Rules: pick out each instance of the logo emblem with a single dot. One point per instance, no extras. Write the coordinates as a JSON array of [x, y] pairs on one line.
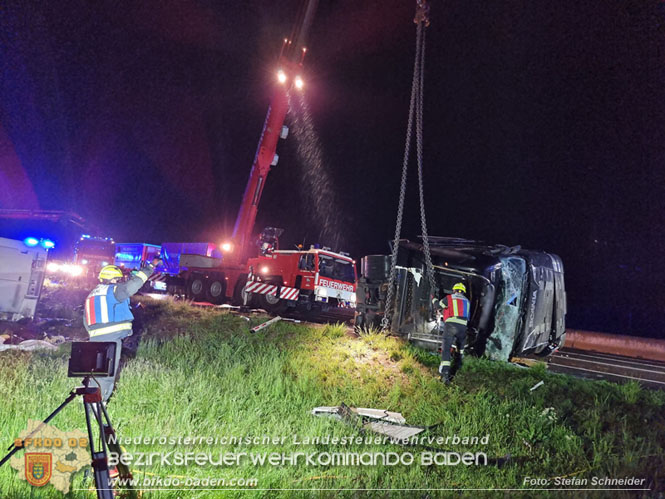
[[37, 468]]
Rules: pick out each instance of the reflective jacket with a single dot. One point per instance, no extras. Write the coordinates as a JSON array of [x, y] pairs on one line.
[[456, 308], [107, 306]]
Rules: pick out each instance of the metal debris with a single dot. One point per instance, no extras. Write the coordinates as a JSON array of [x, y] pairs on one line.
[[381, 414], [537, 385], [381, 421], [265, 324]]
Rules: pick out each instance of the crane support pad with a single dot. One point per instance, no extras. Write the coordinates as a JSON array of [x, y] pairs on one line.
[[263, 288]]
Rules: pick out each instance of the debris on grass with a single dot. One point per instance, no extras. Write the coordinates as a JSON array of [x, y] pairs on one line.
[[537, 385], [381, 421], [28, 345], [266, 324]]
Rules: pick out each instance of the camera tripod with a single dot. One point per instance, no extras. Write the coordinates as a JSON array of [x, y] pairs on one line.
[[94, 409]]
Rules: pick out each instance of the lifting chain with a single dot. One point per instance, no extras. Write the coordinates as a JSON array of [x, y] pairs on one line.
[[415, 108]]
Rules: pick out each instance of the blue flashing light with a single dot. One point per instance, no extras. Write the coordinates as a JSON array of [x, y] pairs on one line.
[[48, 244], [31, 241]]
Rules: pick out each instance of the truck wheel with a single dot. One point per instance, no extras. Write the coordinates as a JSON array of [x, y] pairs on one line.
[[196, 287], [240, 298], [215, 291], [273, 304]]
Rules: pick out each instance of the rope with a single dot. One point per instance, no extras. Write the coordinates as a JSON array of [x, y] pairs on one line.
[[415, 108]]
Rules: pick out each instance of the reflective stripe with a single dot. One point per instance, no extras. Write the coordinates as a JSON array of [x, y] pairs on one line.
[[457, 320], [104, 309], [141, 276], [110, 329], [87, 311], [444, 363], [93, 317]]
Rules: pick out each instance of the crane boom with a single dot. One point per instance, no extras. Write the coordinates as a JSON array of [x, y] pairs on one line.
[[288, 76]]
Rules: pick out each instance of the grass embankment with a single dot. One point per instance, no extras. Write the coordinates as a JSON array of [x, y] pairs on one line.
[[200, 373]]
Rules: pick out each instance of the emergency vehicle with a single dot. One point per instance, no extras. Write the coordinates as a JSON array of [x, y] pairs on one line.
[[251, 269], [134, 255]]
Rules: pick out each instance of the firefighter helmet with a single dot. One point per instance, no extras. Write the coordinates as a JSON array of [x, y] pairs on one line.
[[110, 272], [459, 287]]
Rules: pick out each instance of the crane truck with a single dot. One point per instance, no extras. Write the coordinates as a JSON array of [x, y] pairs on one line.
[[250, 270]]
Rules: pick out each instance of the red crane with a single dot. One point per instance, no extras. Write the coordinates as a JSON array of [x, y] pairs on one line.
[[288, 77], [317, 279]]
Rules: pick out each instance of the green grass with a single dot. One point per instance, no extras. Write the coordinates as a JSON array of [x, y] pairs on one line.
[[201, 373]]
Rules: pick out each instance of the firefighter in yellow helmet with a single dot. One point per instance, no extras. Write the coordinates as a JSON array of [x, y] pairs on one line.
[[107, 315], [455, 309]]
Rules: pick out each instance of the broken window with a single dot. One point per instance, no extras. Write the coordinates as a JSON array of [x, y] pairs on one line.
[[507, 308]]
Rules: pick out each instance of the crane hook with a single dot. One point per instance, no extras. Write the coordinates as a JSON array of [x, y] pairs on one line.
[[422, 13]]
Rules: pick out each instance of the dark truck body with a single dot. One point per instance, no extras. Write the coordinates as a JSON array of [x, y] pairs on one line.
[[518, 299]]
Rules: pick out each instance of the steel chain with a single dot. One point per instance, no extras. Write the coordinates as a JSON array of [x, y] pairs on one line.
[[419, 150], [415, 86]]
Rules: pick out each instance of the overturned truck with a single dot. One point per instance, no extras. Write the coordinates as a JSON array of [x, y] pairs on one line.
[[517, 296]]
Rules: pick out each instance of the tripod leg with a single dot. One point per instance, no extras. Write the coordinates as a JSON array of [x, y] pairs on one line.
[[100, 464], [114, 446], [13, 449]]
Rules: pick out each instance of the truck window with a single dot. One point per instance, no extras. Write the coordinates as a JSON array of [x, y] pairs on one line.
[[306, 262], [334, 268]]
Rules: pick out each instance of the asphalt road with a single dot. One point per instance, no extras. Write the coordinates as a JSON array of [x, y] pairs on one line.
[[609, 367]]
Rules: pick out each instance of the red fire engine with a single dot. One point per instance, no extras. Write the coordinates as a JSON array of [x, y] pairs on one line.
[[261, 273]]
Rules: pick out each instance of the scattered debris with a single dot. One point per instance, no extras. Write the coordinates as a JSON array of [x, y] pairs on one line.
[[390, 424], [525, 362], [28, 345], [537, 385], [382, 414], [56, 340], [265, 324]]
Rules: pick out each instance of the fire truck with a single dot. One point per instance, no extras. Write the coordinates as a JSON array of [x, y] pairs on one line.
[[250, 269], [72, 255]]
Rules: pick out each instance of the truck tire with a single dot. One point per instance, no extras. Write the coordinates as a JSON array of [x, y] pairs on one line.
[[271, 303], [239, 295], [216, 290], [196, 286]]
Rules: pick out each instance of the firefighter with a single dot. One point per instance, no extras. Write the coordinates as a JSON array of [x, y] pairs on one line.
[[107, 316], [453, 327]]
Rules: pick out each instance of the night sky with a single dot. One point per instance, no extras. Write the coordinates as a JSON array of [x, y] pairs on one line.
[[544, 126]]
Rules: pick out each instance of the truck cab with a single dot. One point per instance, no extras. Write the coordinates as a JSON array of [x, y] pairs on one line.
[[92, 253], [315, 280]]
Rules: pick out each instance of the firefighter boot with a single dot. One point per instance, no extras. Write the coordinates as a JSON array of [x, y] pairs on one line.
[[456, 365], [444, 371]]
